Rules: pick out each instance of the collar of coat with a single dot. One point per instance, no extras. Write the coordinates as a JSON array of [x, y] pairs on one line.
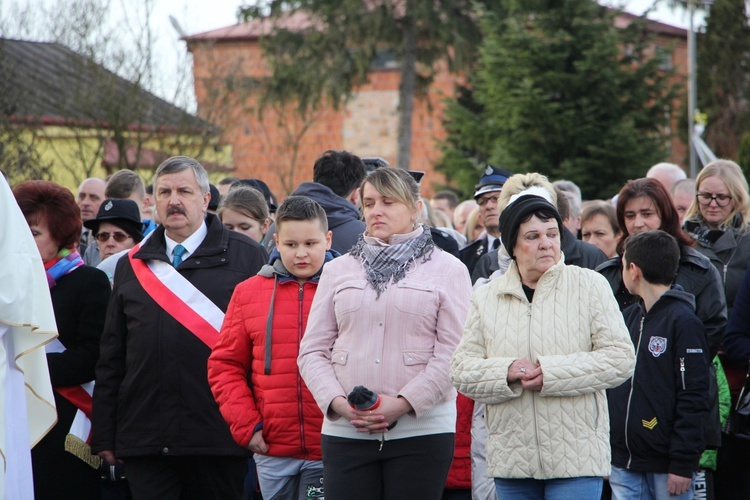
[[510, 282], [215, 243]]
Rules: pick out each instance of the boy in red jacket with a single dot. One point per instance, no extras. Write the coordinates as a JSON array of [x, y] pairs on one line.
[[275, 416]]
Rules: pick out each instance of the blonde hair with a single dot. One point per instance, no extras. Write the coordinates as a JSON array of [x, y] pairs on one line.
[[733, 178], [521, 182], [393, 183], [471, 222]]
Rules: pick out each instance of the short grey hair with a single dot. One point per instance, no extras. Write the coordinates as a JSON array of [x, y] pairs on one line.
[[573, 194], [672, 170], [178, 164]]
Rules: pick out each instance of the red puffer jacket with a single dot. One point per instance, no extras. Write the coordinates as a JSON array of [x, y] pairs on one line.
[[459, 475], [277, 399]]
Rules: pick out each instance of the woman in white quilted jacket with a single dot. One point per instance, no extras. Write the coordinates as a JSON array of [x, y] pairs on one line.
[[541, 345]]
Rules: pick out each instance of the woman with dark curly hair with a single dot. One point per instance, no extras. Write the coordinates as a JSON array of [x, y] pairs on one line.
[[79, 298]]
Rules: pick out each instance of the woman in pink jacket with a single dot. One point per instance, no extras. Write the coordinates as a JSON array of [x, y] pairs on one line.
[[387, 316]]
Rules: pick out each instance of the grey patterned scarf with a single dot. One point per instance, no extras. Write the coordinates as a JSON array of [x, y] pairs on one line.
[[384, 265], [706, 237]]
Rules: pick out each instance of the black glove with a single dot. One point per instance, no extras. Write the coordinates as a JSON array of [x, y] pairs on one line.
[[362, 398]]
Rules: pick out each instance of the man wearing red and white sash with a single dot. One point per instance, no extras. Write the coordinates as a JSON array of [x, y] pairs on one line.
[[153, 408]]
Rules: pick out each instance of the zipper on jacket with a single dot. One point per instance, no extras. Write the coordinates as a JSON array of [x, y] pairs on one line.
[[729, 260], [533, 403], [630, 394], [299, 377], [682, 372]]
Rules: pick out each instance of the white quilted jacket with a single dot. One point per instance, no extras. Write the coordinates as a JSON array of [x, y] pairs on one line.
[[576, 333]]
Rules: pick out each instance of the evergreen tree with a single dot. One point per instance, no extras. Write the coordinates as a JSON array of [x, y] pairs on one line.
[[724, 76], [561, 91]]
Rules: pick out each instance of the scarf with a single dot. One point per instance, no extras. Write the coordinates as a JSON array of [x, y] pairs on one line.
[[64, 263], [389, 264], [706, 236]]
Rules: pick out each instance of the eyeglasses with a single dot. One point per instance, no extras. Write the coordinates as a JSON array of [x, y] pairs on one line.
[[482, 201], [721, 200], [118, 236]]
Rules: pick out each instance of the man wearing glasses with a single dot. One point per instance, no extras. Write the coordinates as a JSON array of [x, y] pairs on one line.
[[486, 195]]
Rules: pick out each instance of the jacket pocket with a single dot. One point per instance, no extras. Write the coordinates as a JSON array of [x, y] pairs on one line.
[[416, 298], [412, 358], [348, 297], [339, 357]]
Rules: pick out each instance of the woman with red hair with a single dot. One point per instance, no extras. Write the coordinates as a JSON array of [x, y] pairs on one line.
[[79, 299]]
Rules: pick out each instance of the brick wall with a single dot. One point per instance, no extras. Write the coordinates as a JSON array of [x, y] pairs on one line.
[[368, 126]]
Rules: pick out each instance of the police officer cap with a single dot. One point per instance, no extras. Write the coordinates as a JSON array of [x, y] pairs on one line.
[[492, 179]]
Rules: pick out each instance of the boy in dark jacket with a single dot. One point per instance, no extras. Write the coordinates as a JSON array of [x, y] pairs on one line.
[[275, 416], [657, 418]]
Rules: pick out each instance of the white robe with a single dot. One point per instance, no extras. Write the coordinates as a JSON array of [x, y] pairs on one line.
[[27, 323]]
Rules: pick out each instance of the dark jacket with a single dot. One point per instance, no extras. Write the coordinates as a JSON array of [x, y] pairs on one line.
[[444, 241], [737, 337], [730, 255], [657, 417], [577, 253], [152, 395], [696, 276], [343, 217], [471, 253], [79, 300]]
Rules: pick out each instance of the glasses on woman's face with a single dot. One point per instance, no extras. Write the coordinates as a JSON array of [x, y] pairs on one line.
[[722, 200], [119, 237]]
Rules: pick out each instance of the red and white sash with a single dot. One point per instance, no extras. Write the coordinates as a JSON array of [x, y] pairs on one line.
[[178, 297], [80, 396]]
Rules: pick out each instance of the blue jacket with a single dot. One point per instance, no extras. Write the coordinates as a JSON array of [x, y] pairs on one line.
[[657, 417]]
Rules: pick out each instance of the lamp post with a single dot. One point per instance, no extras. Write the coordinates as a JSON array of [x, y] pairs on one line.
[[692, 89], [692, 82]]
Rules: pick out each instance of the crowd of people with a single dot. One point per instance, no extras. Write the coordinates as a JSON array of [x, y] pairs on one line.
[[357, 340]]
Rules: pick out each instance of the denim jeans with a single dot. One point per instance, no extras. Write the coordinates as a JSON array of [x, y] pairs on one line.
[[574, 488], [634, 485]]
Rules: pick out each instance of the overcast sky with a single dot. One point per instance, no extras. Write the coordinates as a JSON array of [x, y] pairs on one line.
[[197, 16]]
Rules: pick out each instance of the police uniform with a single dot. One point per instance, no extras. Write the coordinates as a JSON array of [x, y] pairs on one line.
[[492, 180]]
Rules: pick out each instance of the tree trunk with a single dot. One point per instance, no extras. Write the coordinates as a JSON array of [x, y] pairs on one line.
[[406, 92]]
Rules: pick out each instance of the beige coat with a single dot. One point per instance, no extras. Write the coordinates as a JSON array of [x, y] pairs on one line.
[[576, 333]]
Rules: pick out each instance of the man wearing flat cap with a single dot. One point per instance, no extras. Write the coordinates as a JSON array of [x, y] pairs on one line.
[[486, 195]]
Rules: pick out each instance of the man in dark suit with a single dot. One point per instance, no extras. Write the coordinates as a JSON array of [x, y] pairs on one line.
[[486, 194]]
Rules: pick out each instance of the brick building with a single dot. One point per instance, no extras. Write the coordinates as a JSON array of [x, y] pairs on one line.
[[228, 64]]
